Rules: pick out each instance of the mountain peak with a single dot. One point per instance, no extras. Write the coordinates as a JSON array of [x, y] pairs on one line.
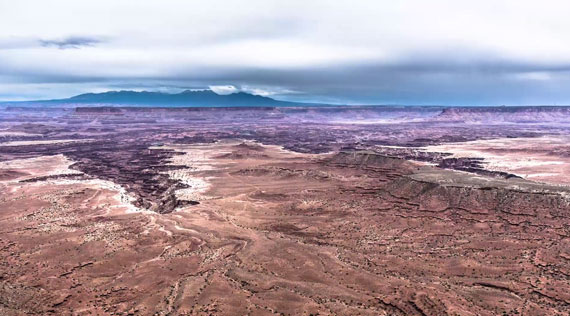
[[202, 91], [186, 98]]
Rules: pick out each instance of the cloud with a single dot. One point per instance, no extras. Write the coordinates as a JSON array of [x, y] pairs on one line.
[[479, 52], [267, 91], [71, 42], [227, 89]]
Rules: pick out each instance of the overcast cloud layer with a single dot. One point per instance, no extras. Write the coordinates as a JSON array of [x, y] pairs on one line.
[[484, 52]]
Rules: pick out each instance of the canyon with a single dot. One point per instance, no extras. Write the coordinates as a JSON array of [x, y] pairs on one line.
[[284, 211]]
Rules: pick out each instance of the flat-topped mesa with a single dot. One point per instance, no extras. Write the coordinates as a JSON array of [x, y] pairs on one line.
[[513, 200], [505, 114], [134, 114], [370, 160], [138, 109]]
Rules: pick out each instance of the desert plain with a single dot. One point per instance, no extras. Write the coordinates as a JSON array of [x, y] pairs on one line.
[[285, 211]]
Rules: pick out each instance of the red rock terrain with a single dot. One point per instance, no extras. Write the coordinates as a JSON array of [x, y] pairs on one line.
[[191, 219]]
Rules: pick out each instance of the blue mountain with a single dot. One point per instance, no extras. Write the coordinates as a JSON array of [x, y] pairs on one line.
[[205, 98]]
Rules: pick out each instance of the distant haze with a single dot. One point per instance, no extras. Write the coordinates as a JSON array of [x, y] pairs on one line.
[[448, 52]]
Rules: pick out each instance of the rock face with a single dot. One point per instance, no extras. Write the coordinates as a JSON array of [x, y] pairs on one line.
[[141, 171], [497, 198], [369, 160], [130, 164]]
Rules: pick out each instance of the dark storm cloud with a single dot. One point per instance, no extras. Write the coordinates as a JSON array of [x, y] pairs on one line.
[[71, 42]]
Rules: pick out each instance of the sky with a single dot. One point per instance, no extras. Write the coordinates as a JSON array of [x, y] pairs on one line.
[[444, 52]]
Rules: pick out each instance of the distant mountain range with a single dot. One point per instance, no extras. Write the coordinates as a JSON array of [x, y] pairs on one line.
[[188, 98]]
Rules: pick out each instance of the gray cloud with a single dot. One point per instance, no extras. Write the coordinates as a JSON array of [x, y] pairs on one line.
[[373, 51], [71, 42], [371, 83]]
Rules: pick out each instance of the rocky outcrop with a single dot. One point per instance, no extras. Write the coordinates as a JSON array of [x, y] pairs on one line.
[[518, 114], [369, 160], [494, 198]]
